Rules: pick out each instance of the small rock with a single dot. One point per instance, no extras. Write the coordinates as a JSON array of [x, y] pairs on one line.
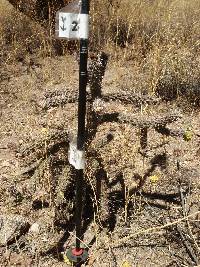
[[35, 228], [48, 236], [11, 226], [21, 141]]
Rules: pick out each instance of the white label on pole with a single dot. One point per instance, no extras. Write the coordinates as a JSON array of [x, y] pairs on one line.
[[73, 25], [76, 157]]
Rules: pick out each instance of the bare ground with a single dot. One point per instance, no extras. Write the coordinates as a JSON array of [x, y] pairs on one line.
[[137, 197]]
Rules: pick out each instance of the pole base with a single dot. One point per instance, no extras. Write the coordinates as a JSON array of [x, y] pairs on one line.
[[77, 256]]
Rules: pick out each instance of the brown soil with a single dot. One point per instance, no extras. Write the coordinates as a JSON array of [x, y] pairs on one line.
[[129, 190]]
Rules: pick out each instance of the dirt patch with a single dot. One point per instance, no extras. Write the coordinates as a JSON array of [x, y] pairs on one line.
[[137, 193]]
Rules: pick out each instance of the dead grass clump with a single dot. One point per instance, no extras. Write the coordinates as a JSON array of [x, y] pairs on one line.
[[132, 24], [20, 36], [162, 38], [173, 72]]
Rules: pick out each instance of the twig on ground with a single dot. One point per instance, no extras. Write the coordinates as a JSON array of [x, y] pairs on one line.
[[184, 238], [187, 245], [26, 170], [152, 230]]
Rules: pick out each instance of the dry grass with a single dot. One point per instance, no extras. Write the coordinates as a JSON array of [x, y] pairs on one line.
[[153, 47], [20, 37], [161, 38], [143, 24]]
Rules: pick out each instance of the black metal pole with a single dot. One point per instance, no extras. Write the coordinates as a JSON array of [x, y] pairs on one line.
[[81, 126]]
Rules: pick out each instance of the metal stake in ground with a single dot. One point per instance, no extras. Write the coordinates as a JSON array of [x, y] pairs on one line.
[[72, 23]]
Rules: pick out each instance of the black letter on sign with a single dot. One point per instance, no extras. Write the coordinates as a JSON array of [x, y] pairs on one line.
[[75, 26]]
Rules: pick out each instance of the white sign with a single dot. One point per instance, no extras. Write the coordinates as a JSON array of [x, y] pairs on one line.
[[76, 157], [72, 25]]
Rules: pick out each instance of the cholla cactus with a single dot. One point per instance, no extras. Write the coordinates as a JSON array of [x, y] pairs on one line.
[[98, 105]]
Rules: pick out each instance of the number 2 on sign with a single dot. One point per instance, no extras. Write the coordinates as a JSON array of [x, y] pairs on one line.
[[75, 26]]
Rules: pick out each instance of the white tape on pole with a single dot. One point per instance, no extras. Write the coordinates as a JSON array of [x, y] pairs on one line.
[[76, 157], [73, 26], [84, 26]]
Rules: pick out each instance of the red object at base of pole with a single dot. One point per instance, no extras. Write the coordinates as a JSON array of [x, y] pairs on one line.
[[77, 252], [77, 256]]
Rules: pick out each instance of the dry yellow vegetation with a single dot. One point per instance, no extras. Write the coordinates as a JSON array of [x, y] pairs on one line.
[[161, 39], [142, 171]]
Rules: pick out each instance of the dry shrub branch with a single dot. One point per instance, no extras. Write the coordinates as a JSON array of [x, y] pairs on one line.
[[152, 230]]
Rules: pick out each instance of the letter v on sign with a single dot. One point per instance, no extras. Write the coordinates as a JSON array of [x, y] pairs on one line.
[[70, 24]]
